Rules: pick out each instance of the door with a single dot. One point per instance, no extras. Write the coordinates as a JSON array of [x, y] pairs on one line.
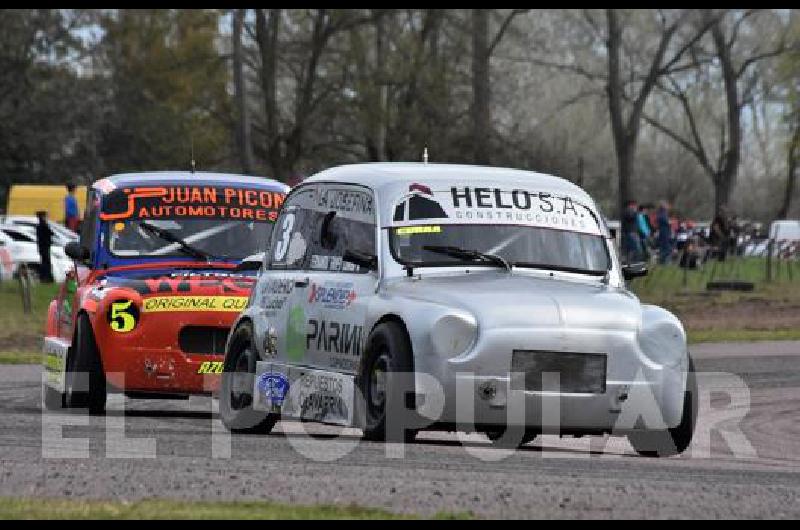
[[338, 292], [280, 328]]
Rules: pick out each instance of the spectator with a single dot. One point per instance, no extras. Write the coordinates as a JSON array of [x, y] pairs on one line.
[[644, 231], [631, 248], [72, 214], [44, 238], [664, 233], [682, 236]]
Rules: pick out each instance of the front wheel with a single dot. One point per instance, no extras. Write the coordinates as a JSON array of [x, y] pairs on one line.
[[674, 441], [236, 388], [387, 374], [85, 378]]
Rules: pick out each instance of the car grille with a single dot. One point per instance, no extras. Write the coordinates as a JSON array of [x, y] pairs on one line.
[[583, 373], [207, 340]]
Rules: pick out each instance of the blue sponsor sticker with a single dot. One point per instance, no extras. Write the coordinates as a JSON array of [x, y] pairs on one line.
[[273, 386]]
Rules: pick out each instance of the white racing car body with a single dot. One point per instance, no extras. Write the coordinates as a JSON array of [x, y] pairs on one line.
[[498, 290]]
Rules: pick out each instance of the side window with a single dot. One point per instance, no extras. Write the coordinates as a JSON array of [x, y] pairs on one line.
[[290, 234], [343, 220]]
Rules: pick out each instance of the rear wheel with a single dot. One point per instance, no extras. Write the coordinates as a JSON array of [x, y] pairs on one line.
[[674, 441], [236, 388], [85, 379], [496, 437], [387, 374]]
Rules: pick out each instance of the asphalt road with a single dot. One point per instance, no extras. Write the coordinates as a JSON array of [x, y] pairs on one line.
[[178, 449]]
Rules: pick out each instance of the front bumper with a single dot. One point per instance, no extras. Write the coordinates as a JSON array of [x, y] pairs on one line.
[[150, 358], [478, 391]]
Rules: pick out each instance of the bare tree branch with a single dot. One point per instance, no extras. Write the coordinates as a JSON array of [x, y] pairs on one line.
[[503, 27]]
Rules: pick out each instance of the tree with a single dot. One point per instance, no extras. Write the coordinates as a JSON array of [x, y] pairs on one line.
[[47, 106], [482, 49], [626, 129], [738, 82], [790, 68], [169, 100], [286, 135], [243, 139]]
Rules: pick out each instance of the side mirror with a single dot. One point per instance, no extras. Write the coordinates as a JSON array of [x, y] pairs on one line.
[[74, 250], [634, 270], [362, 259]]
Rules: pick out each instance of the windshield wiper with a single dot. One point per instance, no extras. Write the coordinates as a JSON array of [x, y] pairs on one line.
[[473, 255], [166, 235], [562, 268]]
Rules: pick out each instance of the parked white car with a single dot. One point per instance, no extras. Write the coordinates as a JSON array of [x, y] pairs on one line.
[[61, 234], [399, 297], [21, 244], [785, 230]]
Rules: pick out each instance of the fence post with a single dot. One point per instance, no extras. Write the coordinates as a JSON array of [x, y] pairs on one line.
[[769, 260], [25, 288]]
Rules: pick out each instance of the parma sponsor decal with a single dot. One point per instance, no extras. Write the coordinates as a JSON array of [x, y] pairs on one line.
[[205, 202], [160, 304], [334, 337]]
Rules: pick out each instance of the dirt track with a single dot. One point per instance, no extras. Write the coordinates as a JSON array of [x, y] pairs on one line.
[[588, 477]]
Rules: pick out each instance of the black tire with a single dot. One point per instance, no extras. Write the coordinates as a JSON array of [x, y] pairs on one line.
[[387, 352], [674, 441], [496, 437], [52, 399], [236, 408], [85, 386]]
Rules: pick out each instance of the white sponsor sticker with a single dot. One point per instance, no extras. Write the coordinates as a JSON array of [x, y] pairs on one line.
[[303, 393], [492, 205]]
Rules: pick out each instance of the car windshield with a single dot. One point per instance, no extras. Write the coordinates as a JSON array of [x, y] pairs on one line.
[[519, 246], [202, 222], [214, 238]]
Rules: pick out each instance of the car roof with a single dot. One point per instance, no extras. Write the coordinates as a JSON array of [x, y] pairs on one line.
[[198, 178], [381, 176]]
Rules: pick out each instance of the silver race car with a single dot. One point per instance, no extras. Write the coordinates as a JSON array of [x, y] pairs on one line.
[[396, 297]]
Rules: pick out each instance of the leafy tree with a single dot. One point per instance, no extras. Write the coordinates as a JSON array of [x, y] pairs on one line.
[[169, 98]]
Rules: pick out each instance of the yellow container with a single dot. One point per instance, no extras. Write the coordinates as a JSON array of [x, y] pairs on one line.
[[27, 199]]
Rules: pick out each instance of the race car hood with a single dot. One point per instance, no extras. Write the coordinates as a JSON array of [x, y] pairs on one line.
[[180, 283], [502, 300]]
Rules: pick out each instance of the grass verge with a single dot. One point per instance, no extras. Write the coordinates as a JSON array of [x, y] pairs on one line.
[[25, 508], [20, 357]]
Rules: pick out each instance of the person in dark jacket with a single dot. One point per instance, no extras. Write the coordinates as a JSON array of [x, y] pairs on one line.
[[44, 239], [664, 233], [631, 246]]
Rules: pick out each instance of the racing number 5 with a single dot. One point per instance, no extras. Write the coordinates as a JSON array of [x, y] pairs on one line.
[[119, 311], [283, 243]]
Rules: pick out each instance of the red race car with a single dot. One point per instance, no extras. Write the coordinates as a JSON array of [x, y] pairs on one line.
[[164, 264]]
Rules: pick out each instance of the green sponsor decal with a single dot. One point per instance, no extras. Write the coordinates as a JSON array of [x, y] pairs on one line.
[[296, 334]]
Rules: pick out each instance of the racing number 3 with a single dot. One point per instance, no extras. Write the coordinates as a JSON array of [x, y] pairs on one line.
[[283, 243], [121, 319]]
